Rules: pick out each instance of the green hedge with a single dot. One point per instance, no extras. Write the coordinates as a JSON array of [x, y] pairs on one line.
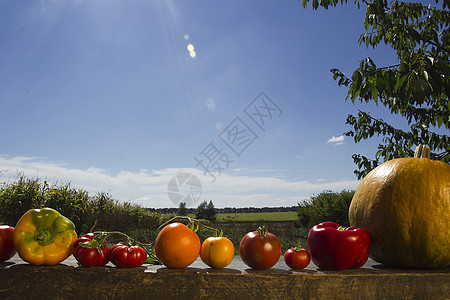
[[98, 212], [327, 206]]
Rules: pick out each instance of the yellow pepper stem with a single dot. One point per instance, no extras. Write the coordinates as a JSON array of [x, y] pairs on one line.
[[44, 236]]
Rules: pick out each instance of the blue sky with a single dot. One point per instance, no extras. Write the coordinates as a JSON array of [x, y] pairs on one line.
[[106, 95]]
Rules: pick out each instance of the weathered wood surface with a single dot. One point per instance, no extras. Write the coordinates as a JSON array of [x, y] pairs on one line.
[[19, 280]]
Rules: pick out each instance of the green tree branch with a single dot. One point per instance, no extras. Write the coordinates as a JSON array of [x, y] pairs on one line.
[[415, 88]]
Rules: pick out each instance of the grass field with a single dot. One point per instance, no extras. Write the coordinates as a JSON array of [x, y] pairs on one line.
[[263, 216]]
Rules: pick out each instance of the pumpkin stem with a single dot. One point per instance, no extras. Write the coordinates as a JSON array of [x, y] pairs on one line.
[[422, 151]]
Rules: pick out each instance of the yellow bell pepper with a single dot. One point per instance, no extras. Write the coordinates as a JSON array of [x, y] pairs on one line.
[[44, 237]]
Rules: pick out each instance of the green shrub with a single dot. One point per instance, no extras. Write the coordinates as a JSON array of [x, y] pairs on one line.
[[99, 212], [327, 206], [18, 197], [72, 203], [301, 232]]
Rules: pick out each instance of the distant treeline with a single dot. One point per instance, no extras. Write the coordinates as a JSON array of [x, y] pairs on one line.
[[228, 210]]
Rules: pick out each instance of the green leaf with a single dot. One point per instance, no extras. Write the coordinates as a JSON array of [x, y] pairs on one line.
[[440, 121], [380, 83], [375, 95], [315, 4], [355, 94]]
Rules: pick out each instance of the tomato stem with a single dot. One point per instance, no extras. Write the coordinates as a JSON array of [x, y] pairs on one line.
[[262, 230], [298, 247]]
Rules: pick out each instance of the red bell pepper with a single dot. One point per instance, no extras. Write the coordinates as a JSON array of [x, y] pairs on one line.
[[337, 248]]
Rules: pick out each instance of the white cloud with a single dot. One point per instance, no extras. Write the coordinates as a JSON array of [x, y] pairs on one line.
[[337, 141], [149, 188]]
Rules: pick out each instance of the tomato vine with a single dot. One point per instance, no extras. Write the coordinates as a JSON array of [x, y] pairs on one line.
[[194, 224], [101, 236]]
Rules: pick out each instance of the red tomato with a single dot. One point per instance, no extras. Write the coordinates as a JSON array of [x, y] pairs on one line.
[[126, 256], [260, 249], [176, 246], [297, 259], [113, 247], [89, 235], [7, 249], [88, 257]]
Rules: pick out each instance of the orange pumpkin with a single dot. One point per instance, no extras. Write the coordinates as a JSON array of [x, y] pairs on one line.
[[405, 205]]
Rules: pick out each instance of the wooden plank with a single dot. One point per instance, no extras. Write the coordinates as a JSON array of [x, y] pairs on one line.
[[19, 280]]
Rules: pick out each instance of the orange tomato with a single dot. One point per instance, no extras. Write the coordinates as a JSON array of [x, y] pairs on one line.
[[177, 246], [217, 252]]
